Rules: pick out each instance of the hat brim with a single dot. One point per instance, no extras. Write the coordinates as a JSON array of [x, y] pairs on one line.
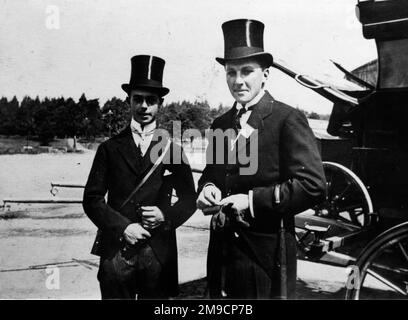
[[161, 91], [264, 56]]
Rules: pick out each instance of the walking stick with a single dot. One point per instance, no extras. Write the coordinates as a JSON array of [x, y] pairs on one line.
[[282, 251]]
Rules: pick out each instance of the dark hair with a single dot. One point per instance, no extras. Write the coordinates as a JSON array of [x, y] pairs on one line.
[[264, 65], [127, 100], [263, 62]]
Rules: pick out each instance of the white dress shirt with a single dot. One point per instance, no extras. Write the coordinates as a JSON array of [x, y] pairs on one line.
[[142, 136], [245, 116], [243, 121]]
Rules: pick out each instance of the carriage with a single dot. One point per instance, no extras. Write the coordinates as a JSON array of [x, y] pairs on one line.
[[363, 222]]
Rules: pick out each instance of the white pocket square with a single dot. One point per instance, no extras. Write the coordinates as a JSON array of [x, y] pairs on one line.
[[166, 173], [247, 130]]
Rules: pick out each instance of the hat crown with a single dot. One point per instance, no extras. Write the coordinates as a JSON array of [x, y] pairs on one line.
[[243, 33], [146, 73], [243, 38], [145, 67]]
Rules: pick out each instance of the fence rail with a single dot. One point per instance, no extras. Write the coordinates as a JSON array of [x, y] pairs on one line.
[[54, 191]]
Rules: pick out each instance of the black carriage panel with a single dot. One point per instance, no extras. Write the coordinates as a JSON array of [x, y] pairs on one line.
[[336, 150], [381, 157]]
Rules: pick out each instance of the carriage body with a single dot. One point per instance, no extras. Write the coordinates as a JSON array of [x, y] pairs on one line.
[[363, 222], [380, 151]]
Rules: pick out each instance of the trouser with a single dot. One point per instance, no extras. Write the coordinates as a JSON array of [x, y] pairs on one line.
[[246, 279], [131, 273], [238, 273]]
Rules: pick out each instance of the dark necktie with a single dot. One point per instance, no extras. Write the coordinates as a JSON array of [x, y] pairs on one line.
[[237, 118]]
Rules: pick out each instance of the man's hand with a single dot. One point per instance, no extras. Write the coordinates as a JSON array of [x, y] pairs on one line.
[[219, 220], [240, 202], [210, 196], [238, 206], [152, 217], [134, 232]]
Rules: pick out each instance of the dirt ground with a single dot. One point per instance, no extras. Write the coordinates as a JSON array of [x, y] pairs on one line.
[[37, 240], [40, 242]]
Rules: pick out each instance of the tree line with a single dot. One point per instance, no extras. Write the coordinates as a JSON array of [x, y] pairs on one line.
[[51, 118]]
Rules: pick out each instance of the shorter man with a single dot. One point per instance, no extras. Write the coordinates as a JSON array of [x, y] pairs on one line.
[[138, 241]]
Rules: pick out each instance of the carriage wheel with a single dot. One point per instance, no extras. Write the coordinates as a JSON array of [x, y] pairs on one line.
[[347, 199], [381, 271]]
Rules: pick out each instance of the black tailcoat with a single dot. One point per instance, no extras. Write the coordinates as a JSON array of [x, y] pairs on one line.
[[287, 155], [117, 168]]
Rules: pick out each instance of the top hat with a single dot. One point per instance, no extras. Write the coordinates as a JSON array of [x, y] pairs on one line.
[[243, 38], [146, 73]]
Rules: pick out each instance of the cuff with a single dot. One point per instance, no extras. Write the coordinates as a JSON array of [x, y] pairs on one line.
[[208, 184], [251, 203]]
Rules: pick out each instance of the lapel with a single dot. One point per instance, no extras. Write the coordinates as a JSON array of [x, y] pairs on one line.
[[261, 110], [128, 150], [227, 123], [131, 154]]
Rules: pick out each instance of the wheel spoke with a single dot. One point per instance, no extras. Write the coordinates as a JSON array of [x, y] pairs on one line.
[[353, 218], [345, 193], [329, 177], [339, 217], [404, 252], [385, 260], [396, 270], [350, 207], [386, 282], [342, 193]]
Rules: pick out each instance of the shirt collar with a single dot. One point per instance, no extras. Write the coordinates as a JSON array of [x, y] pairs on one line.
[[254, 101], [135, 126]]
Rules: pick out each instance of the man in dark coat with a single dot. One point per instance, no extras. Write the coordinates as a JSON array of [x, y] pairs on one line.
[[282, 176], [137, 239]]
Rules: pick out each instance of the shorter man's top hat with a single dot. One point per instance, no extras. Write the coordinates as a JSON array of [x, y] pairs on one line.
[[146, 73], [243, 39]]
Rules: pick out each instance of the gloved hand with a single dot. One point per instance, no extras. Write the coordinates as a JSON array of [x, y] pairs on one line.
[[226, 216], [236, 207]]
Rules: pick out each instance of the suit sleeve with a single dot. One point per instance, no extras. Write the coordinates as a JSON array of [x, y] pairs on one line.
[[183, 183], [94, 204], [301, 171], [209, 175]]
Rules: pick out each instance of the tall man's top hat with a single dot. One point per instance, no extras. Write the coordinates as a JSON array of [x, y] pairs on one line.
[[243, 39], [146, 73]]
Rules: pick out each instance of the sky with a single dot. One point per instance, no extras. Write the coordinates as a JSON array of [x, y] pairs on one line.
[[69, 47]]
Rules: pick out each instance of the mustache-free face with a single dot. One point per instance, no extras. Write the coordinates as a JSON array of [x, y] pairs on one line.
[[144, 105], [245, 79]]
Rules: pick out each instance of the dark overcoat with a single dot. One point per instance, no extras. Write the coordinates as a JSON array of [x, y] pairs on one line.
[[117, 168], [286, 154]]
